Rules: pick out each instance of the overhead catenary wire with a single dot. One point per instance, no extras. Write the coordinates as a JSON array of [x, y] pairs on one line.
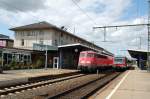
[[91, 19]]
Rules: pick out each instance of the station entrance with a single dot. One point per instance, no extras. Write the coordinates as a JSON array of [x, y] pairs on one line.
[[56, 62]]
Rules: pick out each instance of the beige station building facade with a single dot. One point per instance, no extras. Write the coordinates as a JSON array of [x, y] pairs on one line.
[[46, 34]]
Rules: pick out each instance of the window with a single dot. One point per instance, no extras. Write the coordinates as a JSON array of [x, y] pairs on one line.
[[66, 36], [90, 55], [61, 35], [22, 42], [118, 60], [82, 54], [22, 34], [62, 42], [28, 33], [41, 41], [41, 32], [33, 33], [56, 44]]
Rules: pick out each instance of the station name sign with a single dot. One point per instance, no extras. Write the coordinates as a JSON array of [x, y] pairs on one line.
[[42, 47]]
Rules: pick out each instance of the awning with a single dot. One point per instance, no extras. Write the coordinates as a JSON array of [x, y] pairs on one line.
[[138, 54]]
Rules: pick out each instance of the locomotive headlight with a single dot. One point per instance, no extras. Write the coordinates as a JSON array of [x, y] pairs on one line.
[[88, 62], [82, 61]]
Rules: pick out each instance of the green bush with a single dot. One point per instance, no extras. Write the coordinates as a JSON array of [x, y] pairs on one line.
[[39, 63], [13, 65]]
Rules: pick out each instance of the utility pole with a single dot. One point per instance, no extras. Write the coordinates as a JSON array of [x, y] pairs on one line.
[[148, 28], [74, 30], [104, 34]]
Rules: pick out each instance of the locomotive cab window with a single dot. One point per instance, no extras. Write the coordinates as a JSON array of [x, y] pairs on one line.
[[118, 60], [90, 55], [82, 54]]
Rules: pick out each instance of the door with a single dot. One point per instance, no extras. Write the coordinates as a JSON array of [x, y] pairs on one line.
[[56, 62]]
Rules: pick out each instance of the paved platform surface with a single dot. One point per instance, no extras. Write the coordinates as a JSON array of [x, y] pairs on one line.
[[133, 84], [17, 76]]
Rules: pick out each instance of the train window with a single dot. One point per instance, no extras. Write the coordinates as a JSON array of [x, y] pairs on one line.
[[90, 55], [82, 54], [118, 60], [101, 56]]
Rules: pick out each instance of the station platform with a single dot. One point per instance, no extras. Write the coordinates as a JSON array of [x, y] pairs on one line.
[[12, 77], [133, 84]]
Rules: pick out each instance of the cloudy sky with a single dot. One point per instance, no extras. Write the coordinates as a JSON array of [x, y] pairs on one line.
[[82, 15]]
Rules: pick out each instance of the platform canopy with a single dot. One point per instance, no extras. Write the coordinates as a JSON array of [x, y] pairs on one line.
[[77, 46], [141, 57], [138, 53]]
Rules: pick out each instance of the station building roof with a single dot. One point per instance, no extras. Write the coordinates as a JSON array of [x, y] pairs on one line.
[[46, 25], [138, 54], [2, 36]]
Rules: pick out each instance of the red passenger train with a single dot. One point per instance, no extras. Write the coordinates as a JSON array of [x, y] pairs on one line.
[[90, 60], [121, 63]]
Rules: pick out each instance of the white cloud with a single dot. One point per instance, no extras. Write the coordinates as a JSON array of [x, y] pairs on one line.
[[21, 5], [65, 12]]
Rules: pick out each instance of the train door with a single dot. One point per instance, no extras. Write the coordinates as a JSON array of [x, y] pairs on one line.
[[56, 62]]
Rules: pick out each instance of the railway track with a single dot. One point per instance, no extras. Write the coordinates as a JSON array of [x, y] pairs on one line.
[[37, 83], [83, 91], [75, 86], [42, 78]]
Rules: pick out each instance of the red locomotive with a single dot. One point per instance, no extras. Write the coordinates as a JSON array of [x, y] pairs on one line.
[[90, 60]]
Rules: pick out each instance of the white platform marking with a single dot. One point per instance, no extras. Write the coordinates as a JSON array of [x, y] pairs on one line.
[[117, 86]]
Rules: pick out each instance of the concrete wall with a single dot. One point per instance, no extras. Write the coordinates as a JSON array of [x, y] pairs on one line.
[[60, 38], [10, 44], [31, 37], [48, 37]]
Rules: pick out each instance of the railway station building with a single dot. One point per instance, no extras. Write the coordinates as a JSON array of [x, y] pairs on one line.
[[63, 47], [5, 41]]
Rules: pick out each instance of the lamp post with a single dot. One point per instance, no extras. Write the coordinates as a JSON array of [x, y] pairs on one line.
[[46, 58], [76, 56], [1, 67]]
